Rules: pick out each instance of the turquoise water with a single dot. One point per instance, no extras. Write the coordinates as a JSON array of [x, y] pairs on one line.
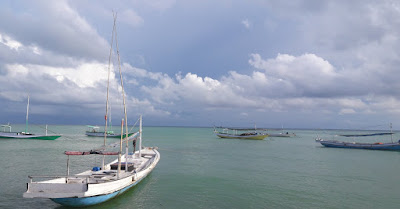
[[199, 170]]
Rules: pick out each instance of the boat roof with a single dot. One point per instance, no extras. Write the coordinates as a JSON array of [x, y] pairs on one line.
[[94, 127], [245, 129], [5, 126]]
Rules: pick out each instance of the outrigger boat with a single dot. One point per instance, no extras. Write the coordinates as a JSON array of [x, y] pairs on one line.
[[360, 135], [245, 133], [95, 131], [25, 134], [358, 145], [361, 145], [100, 183]]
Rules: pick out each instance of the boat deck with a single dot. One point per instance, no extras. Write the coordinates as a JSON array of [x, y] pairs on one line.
[[79, 185]]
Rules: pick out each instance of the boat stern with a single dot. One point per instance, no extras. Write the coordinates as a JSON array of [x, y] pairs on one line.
[[49, 189]]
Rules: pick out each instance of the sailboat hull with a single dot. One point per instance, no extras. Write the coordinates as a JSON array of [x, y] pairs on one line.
[[87, 201], [356, 145], [101, 134], [19, 135], [87, 188]]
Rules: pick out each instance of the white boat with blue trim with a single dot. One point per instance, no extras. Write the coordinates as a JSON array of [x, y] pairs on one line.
[[99, 184]]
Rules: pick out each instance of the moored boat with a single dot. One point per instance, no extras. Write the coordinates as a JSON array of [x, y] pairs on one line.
[[281, 134], [239, 133], [100, 183], [362, 145], [358, 145], [372, 134], [25, 134], [104, 182], [94, 131]]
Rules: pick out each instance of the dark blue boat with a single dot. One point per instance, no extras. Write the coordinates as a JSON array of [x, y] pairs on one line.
[[373, 134], [394, 146]]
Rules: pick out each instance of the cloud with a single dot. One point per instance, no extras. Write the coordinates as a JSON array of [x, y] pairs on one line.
[[246, 23], [307, 59], [130, 17], [305, 75], [294, 84], [347, 111], [161, 5], [54, 84], [60, 29], [12, 44], [79, 87], [86, 75]]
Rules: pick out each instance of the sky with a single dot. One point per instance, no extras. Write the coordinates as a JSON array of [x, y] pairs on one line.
[[292, 64]]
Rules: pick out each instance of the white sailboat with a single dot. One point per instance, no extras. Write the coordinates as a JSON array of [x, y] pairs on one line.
[[100, 183], [25, 134]]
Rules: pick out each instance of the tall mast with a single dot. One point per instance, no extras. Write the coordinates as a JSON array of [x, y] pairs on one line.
[[391, 132], [108, 84], [27, 113], [122, 87], [140, 137], [120, 148]]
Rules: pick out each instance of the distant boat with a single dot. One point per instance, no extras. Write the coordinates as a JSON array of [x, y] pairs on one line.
[[100, 183], [362, 145], [282, 134], [357, 145], [25, 134], [240, 133], [359, 135], [94, 131]]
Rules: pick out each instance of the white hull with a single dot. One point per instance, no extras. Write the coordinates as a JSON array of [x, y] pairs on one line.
[[96, 183], [21, 135]]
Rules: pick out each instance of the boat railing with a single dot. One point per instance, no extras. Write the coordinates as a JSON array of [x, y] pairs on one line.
[[6, 126], [59, 176]]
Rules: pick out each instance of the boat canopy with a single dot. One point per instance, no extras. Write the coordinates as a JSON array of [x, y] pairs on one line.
[[91, 152], [93, 127], [246, 129], [6, 126]]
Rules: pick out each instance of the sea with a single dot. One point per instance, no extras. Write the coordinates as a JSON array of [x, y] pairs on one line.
[[199, 170]]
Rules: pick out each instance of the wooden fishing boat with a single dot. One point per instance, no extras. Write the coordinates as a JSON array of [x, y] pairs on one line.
[[100, 183], [95, 131], [240, 133], [358, 145], [362, 145]]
